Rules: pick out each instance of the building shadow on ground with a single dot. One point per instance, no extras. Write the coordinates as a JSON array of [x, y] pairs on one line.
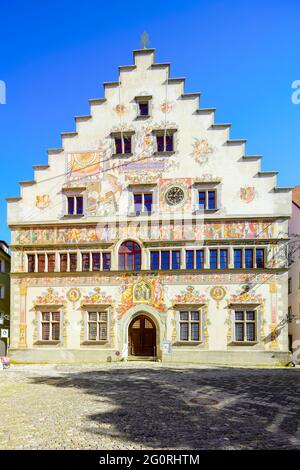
[[192, 408]]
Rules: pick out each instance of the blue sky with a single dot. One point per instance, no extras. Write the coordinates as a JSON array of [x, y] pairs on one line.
[[55, 55]]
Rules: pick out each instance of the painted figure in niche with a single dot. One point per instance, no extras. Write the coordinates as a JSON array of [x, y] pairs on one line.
[[142, 292], [157, 293]]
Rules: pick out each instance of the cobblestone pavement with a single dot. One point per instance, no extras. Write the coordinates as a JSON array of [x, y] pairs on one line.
[[149, 406]]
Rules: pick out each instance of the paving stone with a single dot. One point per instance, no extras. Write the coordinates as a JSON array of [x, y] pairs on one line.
[[149, 406]]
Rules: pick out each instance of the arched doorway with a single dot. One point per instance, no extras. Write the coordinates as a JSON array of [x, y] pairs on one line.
[[142, 337]]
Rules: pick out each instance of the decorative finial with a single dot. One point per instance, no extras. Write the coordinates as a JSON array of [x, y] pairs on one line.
[[145, 40]]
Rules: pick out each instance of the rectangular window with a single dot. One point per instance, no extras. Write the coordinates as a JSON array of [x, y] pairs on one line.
[[290, 285], [63, 262], [189, 326], [123, 144], [189, 259], [245, 325], [143, 108], [202, 200], [85, 261], [50, 326], [41, 263], [142, 202], [213, 259], [106, 261], [165, 260], [200, 259], [207, 200], [211, 200], [175, 259], [154, 260], [260, 258], [97, 326], [2, 266], [249, 258], [238, 258], [96, 261], [223, 259], [75, 205], [51, 262], [73, 262], [164, 142], [31, 263]]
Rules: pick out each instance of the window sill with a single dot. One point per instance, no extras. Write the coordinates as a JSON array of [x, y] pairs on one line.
[[73, 216], [141, 117], [140, 213], [95, 343], [205, 211], [187, 343], [166, 153], [45, 343], [243, 343], [122, 155]]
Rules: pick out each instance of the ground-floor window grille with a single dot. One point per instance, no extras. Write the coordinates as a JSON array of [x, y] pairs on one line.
[[97, 326], [189, 325], [245, 325], [50, 326]]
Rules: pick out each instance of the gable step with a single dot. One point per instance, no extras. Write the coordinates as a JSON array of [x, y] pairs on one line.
[[205, 110], [13, 199], [236, 141], [220, 126], [69, 134], [93, 101], [286, 189], [110, 84], [175, 80], [187, 96], [267, 173], [83, 118], [127, 67], [40, 167], [27, 183], [160, 66], [55, 151], [252, 157]]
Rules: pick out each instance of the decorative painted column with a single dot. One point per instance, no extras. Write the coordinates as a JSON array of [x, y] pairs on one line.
[[22, 322]]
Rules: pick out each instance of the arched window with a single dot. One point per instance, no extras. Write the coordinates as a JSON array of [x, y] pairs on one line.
[[129, 256]]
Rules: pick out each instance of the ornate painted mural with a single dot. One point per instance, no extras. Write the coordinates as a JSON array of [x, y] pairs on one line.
[[143, 289], [104, 232]]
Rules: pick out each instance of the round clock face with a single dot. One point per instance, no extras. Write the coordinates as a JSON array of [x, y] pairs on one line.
[[174, 196]]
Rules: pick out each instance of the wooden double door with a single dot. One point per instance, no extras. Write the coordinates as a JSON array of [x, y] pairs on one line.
[[142, 337]]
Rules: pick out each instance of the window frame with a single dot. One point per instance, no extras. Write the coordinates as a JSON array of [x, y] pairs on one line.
[[171, 259], [122, 136], [98, 322], [164, 133], [245, 309], [143, 99], [189, 310], [50, 311], [75, 198]]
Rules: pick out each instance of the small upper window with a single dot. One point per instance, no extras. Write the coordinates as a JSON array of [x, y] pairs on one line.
[[207, 200], [75, 205], [143, 106], [143, 202]]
